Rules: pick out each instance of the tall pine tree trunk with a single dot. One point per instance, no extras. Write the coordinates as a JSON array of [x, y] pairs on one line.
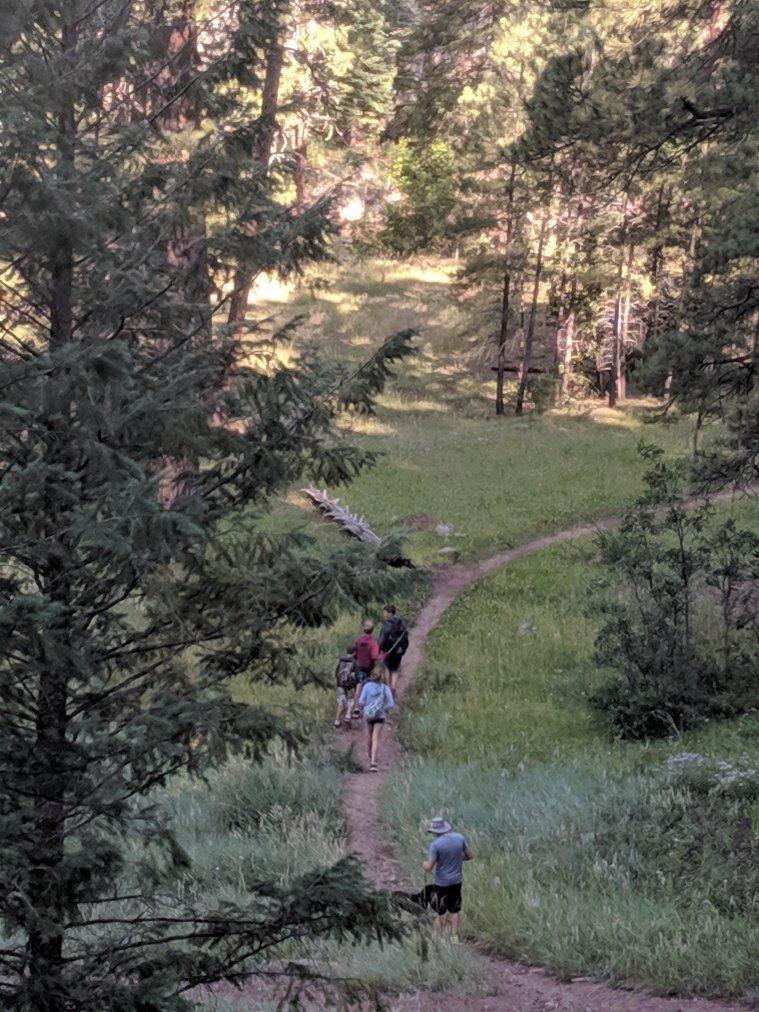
[[657, 260], [267, 121], [46, 888], [625, 327], [530, 332], [569, 337], [503, 330], [616, 386], [186, 248]]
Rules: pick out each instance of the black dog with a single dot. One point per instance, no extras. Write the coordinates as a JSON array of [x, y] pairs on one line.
[[425, 899]]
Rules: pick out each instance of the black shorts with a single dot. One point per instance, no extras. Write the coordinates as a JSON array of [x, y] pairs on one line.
[[375, 720], [448, 899], [393, 664]]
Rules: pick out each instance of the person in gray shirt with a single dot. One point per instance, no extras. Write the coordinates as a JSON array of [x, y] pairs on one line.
[[448, 851]]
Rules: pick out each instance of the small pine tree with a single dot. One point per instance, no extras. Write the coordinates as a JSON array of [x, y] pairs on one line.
[[124, 613], [680, 618]]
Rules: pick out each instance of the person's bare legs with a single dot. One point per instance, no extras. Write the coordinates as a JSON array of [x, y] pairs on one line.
[[455, 921], [369, 735], [394, 681], [443, 925], [376, 730]]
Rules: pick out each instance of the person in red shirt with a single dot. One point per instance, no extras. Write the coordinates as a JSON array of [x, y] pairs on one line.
[[367, 651]]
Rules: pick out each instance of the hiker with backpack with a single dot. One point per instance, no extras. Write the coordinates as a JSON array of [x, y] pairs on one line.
[[367, 653], [345, 680], [393, 643], [447, 854], [376, 700]]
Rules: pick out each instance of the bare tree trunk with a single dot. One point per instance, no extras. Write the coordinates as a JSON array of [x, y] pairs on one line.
[[698, 432], [617, 358], [267, 121], [46, 892], [503, 331], [186, 249], [657, 258], [530, 332], [622, 378], [688, 270], [569, 336]]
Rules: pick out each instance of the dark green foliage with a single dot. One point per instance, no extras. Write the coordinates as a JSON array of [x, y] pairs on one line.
[[425, 177], [680, 614], [140, 447]]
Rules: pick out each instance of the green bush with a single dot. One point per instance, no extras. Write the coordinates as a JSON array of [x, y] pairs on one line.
[[425, 177], [680, 626]]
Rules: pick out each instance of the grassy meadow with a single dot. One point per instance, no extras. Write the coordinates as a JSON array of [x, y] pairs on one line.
[[593, 857]]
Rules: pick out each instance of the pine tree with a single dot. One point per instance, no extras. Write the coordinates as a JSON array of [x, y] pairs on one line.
[[123, 617]]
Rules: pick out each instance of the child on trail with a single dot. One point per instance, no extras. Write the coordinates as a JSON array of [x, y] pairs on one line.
[[377, 701], [345, 679], [393, 642], [367, 651]]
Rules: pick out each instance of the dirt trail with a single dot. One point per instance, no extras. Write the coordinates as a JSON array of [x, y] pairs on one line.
[[513, 987]]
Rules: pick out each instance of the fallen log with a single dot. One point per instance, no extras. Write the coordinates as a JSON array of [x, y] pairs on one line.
[[350, 523]]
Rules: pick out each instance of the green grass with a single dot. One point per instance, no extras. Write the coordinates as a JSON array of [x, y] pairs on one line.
[[629, 877], [592, 859], [447, 459], [505, 676], [274, 822]]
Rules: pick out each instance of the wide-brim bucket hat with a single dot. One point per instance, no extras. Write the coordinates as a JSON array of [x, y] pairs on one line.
[[439, 826]]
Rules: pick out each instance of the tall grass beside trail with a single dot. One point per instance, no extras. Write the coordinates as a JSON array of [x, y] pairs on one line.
[[634, 863], [646, 879], [273, 822], [506, 676]]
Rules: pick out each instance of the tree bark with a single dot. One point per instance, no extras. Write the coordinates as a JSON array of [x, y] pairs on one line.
[[46, 990], [530, 332], [503, 331], [569, 336], [616, 388], [267, 122], [657, 259], [622, 378]]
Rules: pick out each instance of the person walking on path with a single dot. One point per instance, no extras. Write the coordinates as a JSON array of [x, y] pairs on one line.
[[367, 653], [376, 699], [345, 680], [393, 643], [448, 851]]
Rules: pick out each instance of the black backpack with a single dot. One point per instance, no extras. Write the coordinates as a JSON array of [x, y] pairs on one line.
[[397, 638]]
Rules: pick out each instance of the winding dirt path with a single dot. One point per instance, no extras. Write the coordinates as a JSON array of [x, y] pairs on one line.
[[512, 986]]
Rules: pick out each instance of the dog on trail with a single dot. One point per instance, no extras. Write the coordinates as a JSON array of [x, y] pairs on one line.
[[425, 899]]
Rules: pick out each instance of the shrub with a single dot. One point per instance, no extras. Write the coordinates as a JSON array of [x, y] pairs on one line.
[[680, 613], [425, 178]]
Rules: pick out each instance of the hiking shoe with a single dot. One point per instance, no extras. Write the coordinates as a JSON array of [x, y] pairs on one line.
[[373, 768], [336, 723]]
